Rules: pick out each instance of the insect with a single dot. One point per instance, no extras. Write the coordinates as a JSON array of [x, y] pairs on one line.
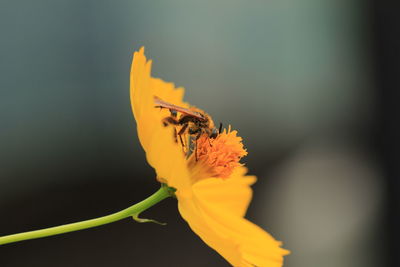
[[193, 122]]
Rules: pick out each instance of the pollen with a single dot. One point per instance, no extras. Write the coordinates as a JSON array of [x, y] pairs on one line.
[[222, 154]]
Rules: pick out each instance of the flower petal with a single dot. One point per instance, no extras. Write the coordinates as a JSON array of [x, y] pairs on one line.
[[192, 213], [233, 194], [162, 152], [256, 246], [214, 212]]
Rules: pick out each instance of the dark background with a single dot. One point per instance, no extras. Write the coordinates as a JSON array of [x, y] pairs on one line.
[[310, 85]]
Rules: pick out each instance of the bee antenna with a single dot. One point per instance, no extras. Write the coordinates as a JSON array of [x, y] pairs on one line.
[[220, 127]]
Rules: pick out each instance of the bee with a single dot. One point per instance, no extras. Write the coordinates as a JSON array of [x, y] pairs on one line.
[[192, 122]]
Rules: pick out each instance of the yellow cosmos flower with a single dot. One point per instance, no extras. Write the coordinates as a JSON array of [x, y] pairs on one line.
[[212, 187]]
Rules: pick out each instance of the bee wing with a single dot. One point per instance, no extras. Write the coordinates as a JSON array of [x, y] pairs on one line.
[[161, 103]]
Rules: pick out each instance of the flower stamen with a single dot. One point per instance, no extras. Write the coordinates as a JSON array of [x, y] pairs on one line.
[[220, 155]]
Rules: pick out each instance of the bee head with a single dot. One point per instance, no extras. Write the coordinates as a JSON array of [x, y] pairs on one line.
[[214, 133]]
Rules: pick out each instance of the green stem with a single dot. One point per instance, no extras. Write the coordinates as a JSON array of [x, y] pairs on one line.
[[134, 211]]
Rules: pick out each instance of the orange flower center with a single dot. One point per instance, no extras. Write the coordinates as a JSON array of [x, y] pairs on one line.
[[219, 155]]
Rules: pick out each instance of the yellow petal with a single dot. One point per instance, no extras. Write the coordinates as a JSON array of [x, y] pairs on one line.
[[192, 213], [233, 194], [214, 212], [256, 245], [162, 152]]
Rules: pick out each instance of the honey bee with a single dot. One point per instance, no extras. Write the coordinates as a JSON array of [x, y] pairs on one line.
[[192, 121]]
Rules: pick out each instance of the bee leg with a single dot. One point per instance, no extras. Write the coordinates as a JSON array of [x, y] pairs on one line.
[[195, 151], [211, 135], [182, 143], [176, 136], [182, 131], [209, 142], [170, 120], [197, 138]]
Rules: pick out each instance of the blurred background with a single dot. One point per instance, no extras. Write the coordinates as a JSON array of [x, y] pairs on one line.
[[310, 85]]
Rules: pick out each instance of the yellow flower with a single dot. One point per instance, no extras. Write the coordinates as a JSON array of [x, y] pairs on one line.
[[212, 187]]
